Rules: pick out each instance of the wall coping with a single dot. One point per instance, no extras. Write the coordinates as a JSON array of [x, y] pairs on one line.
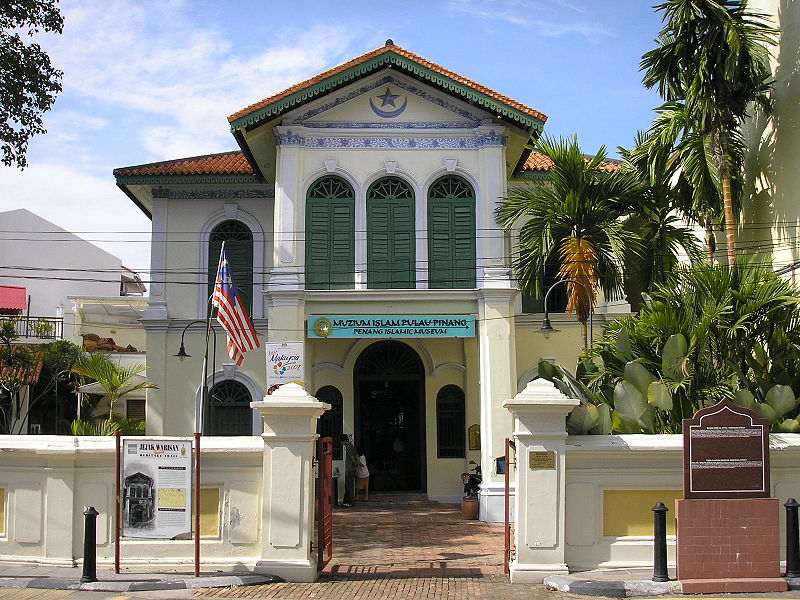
[[658, 443], [65, 444]]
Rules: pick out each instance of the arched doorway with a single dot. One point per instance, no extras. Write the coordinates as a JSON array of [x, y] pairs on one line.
[[389, 384]]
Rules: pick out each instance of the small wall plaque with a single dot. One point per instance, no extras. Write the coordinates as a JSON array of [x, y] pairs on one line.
[[542, 460], [474, 435]]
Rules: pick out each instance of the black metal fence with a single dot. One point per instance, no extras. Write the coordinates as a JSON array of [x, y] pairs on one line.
[[42, 328]]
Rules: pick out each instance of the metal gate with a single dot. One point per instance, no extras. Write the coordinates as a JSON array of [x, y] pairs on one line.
[[508, 549], [324, 493]]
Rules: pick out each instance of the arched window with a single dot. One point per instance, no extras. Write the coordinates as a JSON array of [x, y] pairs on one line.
[[239, 248], [229, 411], [330, 231], [451, 233], [390, 234], [330, 423], [451, 422]]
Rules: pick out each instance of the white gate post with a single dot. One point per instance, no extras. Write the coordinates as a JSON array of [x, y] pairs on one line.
[[540, 435], [287, 500]]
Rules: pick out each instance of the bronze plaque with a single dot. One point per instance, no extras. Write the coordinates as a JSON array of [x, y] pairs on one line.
[[725, 453], [542, 460]]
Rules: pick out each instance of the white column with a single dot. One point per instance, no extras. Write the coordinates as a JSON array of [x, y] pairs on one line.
[[540, 412], [287, 220], [287, 510], [498, 381], [157, 304]]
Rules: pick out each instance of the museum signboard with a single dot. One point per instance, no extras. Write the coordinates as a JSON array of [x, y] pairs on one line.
[[391, 326], [726, 453], [156, 488]]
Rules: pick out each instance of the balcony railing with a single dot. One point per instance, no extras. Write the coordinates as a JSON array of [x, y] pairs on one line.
[[42, 328]]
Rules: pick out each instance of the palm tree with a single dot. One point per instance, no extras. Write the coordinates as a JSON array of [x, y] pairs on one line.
[[573, 220], [653, 217], [712, 63], [115, 379]]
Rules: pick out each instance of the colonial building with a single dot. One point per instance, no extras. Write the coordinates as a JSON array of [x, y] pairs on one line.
[[358, 214]]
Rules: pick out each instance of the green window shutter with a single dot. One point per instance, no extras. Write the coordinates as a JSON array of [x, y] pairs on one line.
[[330, 230], [451, 234], [229, 409], [239, 247], [390, 235]]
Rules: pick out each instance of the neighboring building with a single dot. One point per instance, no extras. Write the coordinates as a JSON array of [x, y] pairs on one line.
[[52, 264], [367, 192], [770, 226]]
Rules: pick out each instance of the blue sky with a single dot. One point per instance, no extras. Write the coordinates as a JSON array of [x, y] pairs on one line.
[[153, 80]]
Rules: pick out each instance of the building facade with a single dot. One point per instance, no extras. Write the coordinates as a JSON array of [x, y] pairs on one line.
[[358, 217]]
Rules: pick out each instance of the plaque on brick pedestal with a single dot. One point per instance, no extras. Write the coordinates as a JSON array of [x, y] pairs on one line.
[[726, 453], [727, 525]]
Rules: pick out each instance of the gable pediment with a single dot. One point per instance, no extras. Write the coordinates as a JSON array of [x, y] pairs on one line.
[[387, 101]]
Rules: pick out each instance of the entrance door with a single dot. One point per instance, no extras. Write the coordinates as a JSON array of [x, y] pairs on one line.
[[390, 416]]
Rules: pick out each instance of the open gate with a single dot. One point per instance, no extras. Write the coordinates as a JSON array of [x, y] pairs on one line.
[[324, 493], [508, 549]]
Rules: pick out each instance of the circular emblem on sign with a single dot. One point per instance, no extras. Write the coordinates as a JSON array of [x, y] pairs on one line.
[[323, 327]]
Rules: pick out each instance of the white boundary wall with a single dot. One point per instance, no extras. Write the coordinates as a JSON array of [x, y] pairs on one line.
[[560, 524], [50, 480]]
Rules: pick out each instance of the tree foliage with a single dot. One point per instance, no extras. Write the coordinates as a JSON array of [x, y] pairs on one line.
[[711, 65], [28, 81], [712, 332]]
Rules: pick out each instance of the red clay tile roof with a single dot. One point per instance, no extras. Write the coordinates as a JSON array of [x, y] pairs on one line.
[[225, 163], [377, 52], [539, 162], [13, 297]]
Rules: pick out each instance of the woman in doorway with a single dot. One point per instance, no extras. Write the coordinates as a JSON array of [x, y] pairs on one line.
[[362, 474]]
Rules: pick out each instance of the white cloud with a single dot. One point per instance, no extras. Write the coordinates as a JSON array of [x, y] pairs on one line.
[[91, 207], [151, 58], [527, 13]]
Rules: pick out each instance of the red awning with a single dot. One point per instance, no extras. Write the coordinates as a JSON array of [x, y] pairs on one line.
[[13, 297]]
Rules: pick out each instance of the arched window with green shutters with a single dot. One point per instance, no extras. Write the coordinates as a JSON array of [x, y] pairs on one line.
[[390, 234], [451, 233], [330, 231], [229, 409], [239, 248]]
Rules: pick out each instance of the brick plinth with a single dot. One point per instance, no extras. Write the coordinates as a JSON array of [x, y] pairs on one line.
[[729, 545]]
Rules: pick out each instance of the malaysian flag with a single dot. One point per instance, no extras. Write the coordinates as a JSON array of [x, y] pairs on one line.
[[232, 313]]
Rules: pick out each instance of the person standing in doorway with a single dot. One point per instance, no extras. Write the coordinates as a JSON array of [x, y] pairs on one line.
[[350, 466], [362, 475]]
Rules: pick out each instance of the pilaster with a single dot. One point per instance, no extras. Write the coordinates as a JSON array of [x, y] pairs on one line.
[[497, 360], [540, 412], [287, 511]]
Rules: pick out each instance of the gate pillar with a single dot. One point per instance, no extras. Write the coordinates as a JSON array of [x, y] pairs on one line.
[[287, 500], [540, 434]]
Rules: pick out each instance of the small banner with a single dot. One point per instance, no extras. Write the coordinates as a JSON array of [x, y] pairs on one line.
[[284, 364], [157, 488]]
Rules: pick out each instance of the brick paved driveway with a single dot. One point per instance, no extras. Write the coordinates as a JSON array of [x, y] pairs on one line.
[[399, 551]]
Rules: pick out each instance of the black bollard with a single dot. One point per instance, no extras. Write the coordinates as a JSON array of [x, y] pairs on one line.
[[792, 541], [89, 545], [660, 542]]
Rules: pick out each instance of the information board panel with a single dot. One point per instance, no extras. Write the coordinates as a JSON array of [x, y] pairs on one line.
[[725, 453], [156, 488]]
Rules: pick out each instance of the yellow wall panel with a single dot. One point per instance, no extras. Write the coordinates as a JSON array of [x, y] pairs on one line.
[[209, 512], [2, 511], [630, 512]]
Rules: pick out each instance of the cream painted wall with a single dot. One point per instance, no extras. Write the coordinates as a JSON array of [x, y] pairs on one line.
[[771, 210], [446, 361], [187, 260]]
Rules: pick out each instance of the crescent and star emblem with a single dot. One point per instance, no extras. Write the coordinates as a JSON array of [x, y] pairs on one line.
[[388, 99]]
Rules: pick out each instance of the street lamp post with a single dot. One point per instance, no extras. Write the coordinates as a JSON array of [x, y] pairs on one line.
[[182, 355], [547, 327], [198, 428]]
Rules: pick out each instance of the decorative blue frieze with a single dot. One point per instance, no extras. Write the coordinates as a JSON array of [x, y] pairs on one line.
[[392, 125], [173, 194], [388, 79], [452, 143]]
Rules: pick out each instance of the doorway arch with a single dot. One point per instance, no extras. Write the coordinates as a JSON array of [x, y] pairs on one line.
[[389, 384]]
